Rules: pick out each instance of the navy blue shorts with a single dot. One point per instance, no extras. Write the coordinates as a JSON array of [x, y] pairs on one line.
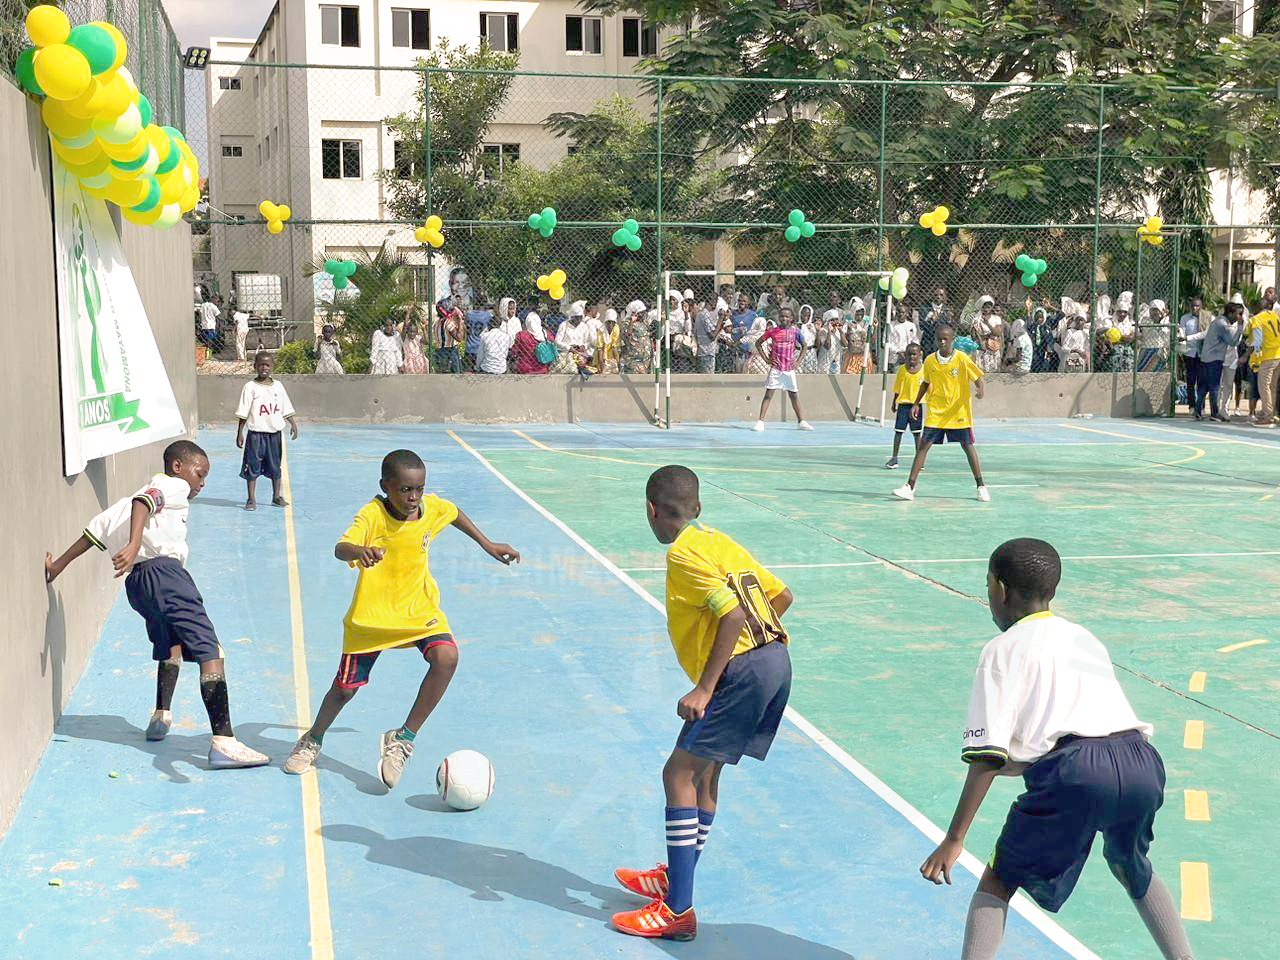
[[905, 420], [166, 597], [1110, 785], [746, 709], [960, 435], [261, 455]]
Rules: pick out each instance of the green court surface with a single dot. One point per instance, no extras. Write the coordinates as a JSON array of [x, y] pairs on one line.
[[1170, 535]]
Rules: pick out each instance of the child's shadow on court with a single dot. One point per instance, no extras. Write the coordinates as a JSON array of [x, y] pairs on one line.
[[254, 734], [166, 754], [491, 872]]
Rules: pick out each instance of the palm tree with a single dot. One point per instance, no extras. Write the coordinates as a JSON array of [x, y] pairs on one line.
[[382, 286]]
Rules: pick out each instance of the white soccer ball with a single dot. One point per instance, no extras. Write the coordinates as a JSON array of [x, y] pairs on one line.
[[465, 779]]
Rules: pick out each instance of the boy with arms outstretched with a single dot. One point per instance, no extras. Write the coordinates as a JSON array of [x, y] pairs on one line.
[[396, 604], [146, 535], [1046, 704], [723, 614]]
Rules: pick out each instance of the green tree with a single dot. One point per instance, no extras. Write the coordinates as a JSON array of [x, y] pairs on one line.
[[382, 287]]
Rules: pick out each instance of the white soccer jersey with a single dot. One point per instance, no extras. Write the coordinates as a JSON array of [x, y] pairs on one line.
[[264, 406], [165, 533], [1040, 680]]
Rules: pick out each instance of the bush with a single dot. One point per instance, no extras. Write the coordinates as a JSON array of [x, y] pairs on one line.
[[353, 362], [296, 357]]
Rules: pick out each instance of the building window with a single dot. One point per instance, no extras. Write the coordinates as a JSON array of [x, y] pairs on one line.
[[1241, 275], [228, 83], [571, 149], [340, 159], [411, 29], [500, 31], [232, 150], [496, 157], [340, 26], [583, 35], [406, 161], [639, 39]]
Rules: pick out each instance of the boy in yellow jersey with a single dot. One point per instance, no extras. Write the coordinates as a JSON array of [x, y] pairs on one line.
[[906, 387], [724, 615], [945, 379], [396, 605], [1266, 347]]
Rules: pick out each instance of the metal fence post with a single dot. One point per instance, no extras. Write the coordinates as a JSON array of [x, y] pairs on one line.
[[431, 266], [664, 356], [1137, 329], [1173, 336], [1097, 227], [884, 108]]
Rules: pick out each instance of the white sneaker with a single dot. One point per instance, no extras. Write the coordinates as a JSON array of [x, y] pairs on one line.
[[805, 425], [984, 495], [905, 492], [303, 756], [226, 753], [759, 427]]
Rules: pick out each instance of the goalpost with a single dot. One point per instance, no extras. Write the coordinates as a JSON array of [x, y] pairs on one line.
[[662, 418]]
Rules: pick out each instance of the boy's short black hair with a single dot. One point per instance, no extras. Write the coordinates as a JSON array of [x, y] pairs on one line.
[[181, 450], [1030, 567], [398, 460], [260, 354], [673, 490], [947, 326]]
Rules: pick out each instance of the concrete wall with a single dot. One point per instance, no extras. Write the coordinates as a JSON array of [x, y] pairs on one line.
[[619, 399], [49, 631]]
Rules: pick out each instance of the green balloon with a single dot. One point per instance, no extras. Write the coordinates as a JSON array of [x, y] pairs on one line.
[[1041, 267], [151, 199], [795, 218], [634, 242], [545, 231], [175, 133], [331, 266], [898, 290], [884, 283], [630, 225], [171, 161], [549, 216], [144, 111], [98, 46], [792, 233], [807, 229], [1022, 262], [535, 221], [133, 164], [620, 237], [26, 72], [340, 282], [1029, 279], [348, 268]]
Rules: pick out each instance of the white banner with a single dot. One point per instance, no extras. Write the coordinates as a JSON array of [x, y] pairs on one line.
[[116, 394]]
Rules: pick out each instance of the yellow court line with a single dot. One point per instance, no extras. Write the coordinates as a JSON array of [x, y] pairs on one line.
[[317, 876], [1195, 891], [1196, 455], [1197, 682], [1233, 647], [1193, 735], [1196, 804]]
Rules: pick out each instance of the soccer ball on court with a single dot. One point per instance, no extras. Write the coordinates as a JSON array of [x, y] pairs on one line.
[[465, 779]]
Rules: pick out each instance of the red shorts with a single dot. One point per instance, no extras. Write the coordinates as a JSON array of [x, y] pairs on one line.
[[354, 668]]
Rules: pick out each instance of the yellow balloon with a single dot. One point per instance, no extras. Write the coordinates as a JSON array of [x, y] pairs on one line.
[[558, 277], [172, 188], [142, 219], [122, 48], [116, 96], [86, 105], [126, 193], [47, 26], [283, 211], [556, 293], [62, 71], [189, 199], [435, 238], [77, 156], [1157, 241], [926, 220], [95, 167], [267, 209], [77, 143], [434, 222], [125, 152], [938, 229], [159, 141], [274, 226], [420, 234], [941, 213], [544, 282], [59, 121], [98, 182]]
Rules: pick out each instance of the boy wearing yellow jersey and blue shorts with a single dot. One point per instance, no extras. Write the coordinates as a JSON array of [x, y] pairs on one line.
[[396, 605], [945, 379], [906, 387], [724, 616]]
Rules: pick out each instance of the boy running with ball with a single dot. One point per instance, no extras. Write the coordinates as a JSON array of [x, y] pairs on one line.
[[945, 379], [1046, 704], [724, 615], [396, 605]]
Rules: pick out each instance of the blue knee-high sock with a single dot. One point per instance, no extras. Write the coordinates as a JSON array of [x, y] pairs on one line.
[[682, 856], [704, 827]]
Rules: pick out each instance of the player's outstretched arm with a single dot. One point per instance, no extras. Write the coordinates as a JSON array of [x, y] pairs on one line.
[[52, 567], [693, 704], [939, 863], [502, 552]]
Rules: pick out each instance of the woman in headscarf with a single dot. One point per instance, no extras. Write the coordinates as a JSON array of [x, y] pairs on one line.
[[637, 339], [831, 340], [857, 348], [1074, 355], [608, 357], [1154, 330], [386, 354], [508, 313], [988, 332], [524, 350], [1020, 349], [328, 352], [808, 332], [1120, 335]]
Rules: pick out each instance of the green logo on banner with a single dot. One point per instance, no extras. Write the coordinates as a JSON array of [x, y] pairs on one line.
[[111, 408]]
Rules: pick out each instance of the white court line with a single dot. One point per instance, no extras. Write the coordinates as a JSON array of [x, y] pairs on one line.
[[1194, 434], [1045, 924]]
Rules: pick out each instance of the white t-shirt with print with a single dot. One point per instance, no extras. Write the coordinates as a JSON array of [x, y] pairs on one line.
[[264, 406], [1043, 679], [165, 533]]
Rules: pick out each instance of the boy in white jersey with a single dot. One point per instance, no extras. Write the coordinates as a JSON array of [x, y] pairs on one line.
[[146, 535], [264, 408], [1046, 704]]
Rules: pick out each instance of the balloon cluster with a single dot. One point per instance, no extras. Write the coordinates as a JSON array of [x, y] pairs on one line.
[[798, 226], [896, 283], [553, 283], [628, 235], [1031, 269], [430, 233], [341, 270], [101, 125], [275, 214], [935, 220], [1150, 231], [544, 222]]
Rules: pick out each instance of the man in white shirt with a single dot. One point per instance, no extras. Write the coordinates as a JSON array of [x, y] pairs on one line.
[[1046, 704], [209, 314], [494, 346], [242, 331], [902, 333]]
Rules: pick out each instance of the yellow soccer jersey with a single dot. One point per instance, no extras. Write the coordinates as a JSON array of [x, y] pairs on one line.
[[906, 385], [1269, 324], [949, 402], [708, 575], [396, 601]]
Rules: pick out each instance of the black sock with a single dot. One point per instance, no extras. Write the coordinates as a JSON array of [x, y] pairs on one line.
[[166, 681], [213, 689], [979, 482]]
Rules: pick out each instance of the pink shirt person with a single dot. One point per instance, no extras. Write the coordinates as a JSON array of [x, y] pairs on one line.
[[782, 347]]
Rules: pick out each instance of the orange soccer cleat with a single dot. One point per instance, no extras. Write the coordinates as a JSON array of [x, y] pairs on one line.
[[647, 883], [657, 920]]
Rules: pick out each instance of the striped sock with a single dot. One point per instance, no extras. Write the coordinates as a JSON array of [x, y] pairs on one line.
[[704, 827], [404, 733], [682, 856]]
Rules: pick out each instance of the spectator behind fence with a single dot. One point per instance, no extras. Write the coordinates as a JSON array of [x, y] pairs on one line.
[[807, 331], [608, 358], [386, 350], [1119, 345], [1021, 351], [449, 334], [1153, 335], [772, 304], [938, 314], [707, 328], [573, 339], [411, 344], [528, 344], [491, 357], [988, 333], [509, 314], [475, 323], [857, 347], [241, 319], [1074, 355], [1043, 333], [902, 333], [209, 314], [744, 321], [637, 339], [328, 352], [1188, 325]]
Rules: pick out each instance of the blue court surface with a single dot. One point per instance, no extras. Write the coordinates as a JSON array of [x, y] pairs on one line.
[[566, 681]]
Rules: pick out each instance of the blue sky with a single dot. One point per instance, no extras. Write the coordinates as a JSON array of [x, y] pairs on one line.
[[194, 21]]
